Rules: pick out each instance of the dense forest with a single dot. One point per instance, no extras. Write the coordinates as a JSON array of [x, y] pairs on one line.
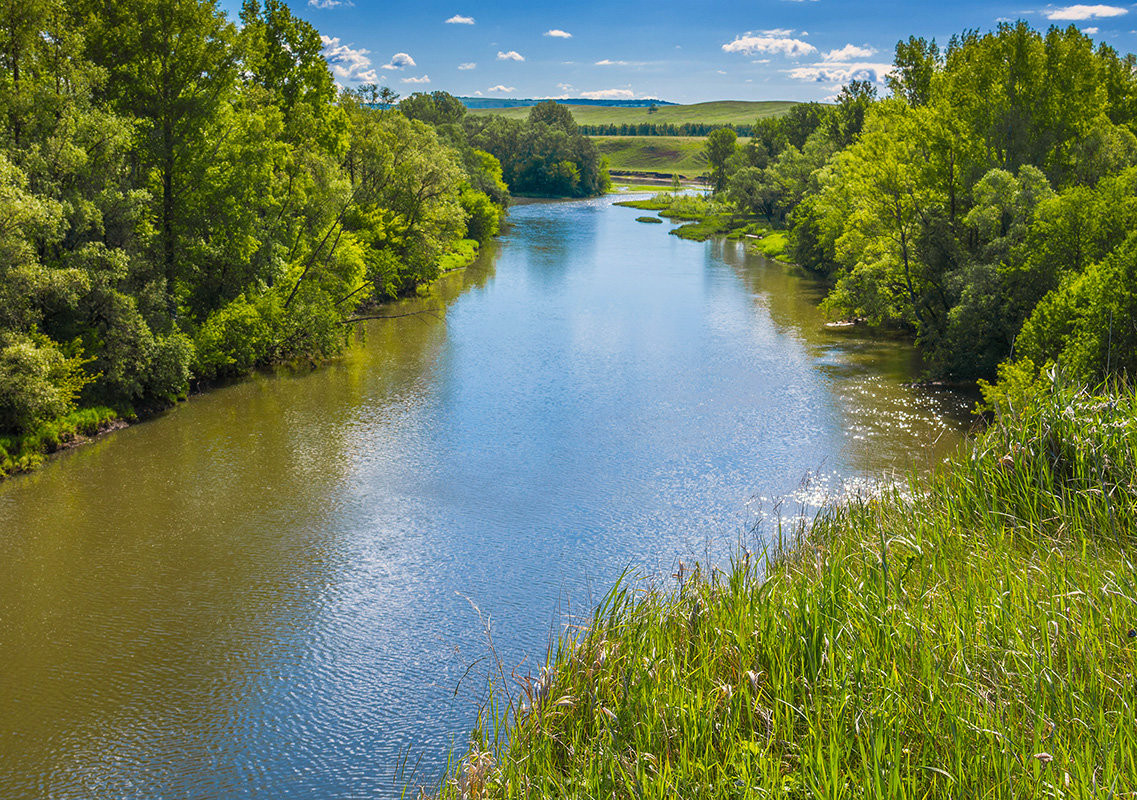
[[988, 205], [188, 197]]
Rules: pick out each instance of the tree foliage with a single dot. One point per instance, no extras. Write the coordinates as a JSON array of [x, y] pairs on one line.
[[185, 199], [986, 206]]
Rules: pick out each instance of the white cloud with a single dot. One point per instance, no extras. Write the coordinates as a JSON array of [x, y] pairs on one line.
[[1081, 12], [467, 65], [607, 62], [849, 52], [609, 94], [348, 63], [478, 93], [1091, 30], [511, 55], [400, 61], [330, 3], [421, 79], [751, 44], [458, 19], [500, 88], [565, 87], [557, 33], [721, 71], [841, 74]]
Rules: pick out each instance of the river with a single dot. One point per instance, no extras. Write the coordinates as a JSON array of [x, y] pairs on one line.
[[270, 590]]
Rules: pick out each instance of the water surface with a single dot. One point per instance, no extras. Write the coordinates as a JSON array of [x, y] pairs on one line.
[[270, 590]]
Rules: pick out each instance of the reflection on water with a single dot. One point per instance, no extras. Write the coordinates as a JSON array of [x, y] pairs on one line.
[[267, 591]]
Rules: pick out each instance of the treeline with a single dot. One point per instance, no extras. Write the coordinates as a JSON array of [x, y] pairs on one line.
[[989, 205], [662, 129], [546, 155], [188, 197]]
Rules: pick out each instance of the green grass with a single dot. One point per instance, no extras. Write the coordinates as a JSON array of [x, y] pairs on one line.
[[652, 220], [969, 636], [684, 155], [724, 112], [25, 453], [707, 217], [772, 244], [464, 254]]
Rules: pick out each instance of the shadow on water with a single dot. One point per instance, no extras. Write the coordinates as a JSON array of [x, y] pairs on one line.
[[267, 592]]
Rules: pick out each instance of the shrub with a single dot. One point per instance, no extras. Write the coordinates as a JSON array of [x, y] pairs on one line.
[[37, 382]]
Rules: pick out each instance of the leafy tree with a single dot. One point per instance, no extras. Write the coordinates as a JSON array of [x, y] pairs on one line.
[[436, 108], [847, 118], [1087, 325], [552, 113], [720, 146], [180, 70], [914, 65]]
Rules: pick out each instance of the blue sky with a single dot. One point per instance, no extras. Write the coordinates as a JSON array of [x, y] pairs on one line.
[[681, 51]]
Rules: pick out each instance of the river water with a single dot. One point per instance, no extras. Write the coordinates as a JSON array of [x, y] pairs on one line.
[[270, 591]]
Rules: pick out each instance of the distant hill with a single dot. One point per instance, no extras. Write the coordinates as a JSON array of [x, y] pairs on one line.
[[507, 102], [719, 112], [658, 155]]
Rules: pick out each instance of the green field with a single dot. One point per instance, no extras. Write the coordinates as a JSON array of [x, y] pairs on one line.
[[726, 112], [664, 154]]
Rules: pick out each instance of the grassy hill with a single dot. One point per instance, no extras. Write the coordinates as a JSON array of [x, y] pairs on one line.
[[667, 154], [726, 112]]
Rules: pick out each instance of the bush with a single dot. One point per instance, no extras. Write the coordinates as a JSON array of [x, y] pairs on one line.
[[1089, 324], [233, 340], [484, 218], [38, 382]]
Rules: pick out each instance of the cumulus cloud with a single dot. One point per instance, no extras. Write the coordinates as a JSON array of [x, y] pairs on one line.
[[753, 44], [502, 89], [400, 61], [1091, 30], [1081, 12], [511, 55], [849, 52], [348, 63], [557, 33], [609, 94], [458, 19], [420, 79], [839, 74], [467, 65], [325, 4]]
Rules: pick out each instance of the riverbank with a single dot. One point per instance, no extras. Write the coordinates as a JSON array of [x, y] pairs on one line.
[[26, 453], [705, 217], [978, 642]]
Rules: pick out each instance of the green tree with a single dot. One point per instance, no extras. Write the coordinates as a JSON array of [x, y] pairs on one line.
[[914, 65], [720, 146], [171, 64], [554, 114]]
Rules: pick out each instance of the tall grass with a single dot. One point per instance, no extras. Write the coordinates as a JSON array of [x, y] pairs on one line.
[[971, 635]]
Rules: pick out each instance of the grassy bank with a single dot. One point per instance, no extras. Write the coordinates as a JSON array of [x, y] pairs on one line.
[[717, 112], [706, 217], [969, 636], [25, 453], [19, 454]]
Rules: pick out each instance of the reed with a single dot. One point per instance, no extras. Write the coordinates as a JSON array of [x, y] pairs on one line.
[[971, 634]]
